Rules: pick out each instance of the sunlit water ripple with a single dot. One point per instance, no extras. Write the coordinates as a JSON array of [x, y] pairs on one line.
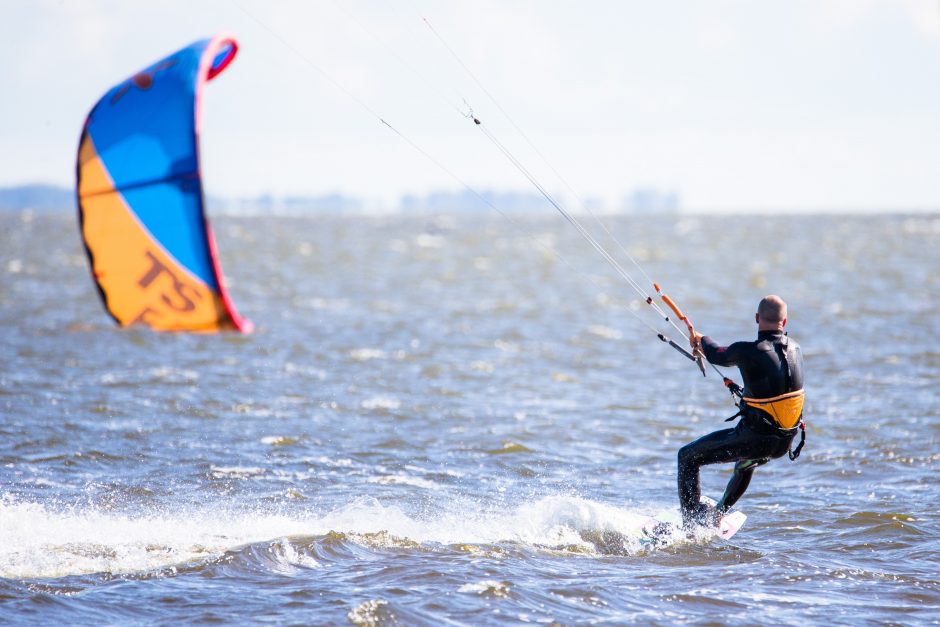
[[438, 420]]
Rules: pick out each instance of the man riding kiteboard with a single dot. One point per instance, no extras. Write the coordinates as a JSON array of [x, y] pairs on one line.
[[771, 412]]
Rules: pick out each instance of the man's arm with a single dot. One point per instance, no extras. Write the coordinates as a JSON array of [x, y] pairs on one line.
[[720, 355]]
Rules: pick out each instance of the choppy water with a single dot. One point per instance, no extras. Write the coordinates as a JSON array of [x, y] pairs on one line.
[[438, 421]]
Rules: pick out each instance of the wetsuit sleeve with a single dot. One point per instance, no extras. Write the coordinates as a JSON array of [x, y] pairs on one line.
[[722, 355]]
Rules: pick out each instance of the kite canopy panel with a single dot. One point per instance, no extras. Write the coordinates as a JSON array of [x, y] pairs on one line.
[[140, 197]]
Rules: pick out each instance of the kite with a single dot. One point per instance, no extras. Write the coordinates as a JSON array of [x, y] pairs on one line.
[[140, 197]]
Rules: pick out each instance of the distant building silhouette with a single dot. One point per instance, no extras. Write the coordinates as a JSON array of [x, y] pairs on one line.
[[643, 200], [39, 197], [651, 200], [466, 201]]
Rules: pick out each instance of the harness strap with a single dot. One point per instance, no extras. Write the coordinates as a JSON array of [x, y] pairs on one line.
[[774, 399], [799, 447]]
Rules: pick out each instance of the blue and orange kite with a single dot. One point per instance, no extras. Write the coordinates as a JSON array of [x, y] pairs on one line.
[[140, 197]]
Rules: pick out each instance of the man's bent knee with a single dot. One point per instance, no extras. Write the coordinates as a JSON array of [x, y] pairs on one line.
[[749, 464], [687, 454]]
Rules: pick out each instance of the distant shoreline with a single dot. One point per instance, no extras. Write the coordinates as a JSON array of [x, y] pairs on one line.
[[46, 198]]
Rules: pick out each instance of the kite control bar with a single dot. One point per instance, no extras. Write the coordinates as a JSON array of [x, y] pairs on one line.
[[676, 346], [675, 308]]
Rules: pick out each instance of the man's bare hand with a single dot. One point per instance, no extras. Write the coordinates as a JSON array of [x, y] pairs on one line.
[[695, 341]]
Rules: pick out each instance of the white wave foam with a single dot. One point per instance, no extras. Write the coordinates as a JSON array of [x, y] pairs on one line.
[[405, 480], [427, 240], [605, 332], [381, 402], [487, 587], [279, 440], [236, 472], [366, 354], [290, 560], [40, 542]]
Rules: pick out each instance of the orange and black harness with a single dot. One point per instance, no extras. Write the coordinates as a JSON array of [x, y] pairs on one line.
[[784, 412]]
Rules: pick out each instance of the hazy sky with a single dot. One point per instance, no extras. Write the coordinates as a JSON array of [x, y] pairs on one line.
[[747, 105]]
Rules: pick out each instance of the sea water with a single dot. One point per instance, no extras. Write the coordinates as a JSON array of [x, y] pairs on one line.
[[457, 419]]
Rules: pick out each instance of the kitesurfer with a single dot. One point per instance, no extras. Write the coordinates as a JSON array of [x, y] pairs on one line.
[[771, 411]]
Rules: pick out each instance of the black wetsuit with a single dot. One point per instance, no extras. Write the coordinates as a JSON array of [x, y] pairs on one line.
[[770, 366]]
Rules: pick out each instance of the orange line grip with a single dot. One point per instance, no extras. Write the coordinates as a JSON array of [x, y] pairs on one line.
[[674, 307]]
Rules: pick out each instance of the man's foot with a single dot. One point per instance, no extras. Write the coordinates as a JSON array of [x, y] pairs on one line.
[[703, 516]]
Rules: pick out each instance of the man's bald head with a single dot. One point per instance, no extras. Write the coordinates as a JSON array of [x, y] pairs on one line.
[[771, 313]]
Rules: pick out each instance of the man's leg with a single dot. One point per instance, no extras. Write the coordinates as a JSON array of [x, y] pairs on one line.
[[756, 450], [739, 482], [714, 448]]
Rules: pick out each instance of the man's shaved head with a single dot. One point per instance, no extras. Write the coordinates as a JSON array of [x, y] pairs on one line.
[[772, 309]]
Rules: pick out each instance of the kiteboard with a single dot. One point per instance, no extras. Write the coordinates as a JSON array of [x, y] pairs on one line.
[[659, 531]]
